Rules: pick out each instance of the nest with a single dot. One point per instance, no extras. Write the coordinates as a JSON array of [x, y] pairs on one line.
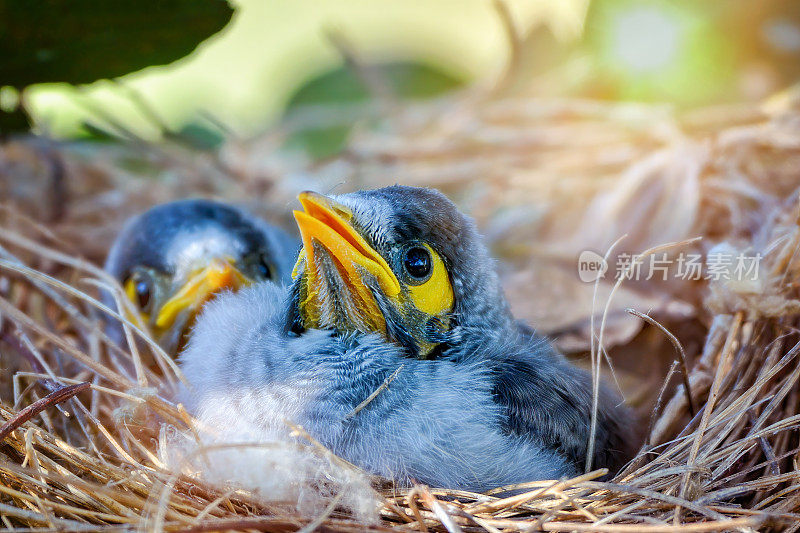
[[712, 366]]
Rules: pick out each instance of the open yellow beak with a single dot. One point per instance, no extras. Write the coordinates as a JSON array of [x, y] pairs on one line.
[[328, 223], [202, 286]]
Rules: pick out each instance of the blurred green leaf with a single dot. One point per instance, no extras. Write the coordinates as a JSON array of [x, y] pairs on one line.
[[200, 136], [80, 41], [405, 80]]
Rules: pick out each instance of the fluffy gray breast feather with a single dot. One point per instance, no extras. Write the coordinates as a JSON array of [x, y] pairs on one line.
[[438, 421]]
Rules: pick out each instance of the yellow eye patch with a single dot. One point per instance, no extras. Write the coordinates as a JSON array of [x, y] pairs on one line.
[[435, 295], [130, 290]]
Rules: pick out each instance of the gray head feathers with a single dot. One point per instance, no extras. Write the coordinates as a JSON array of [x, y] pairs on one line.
[[396, 215], [169, 236]]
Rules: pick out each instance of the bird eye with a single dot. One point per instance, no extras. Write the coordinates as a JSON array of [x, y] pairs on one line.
[[140, 290], [426, 278], [418, 263], [142, 293], [263, 268]]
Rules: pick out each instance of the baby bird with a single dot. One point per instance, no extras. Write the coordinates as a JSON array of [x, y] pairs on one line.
[[176, 256], [396, 349]]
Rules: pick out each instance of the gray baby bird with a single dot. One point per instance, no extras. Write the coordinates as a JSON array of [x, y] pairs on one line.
[[394, 286], [176, 256]]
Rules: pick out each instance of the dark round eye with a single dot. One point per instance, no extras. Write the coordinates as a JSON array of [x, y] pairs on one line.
[[418, 262], [263, 268], [143, 292]]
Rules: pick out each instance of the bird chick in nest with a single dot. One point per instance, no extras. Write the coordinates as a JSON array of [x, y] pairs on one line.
[[394, 292], [175, 257]]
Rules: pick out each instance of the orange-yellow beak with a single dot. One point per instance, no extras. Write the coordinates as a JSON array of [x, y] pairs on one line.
[[220, 274], [328, 223]]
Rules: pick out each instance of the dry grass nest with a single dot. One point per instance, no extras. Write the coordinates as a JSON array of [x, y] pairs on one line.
[[711, 365]]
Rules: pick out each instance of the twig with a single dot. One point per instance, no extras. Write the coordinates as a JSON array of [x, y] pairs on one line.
[[596, 356], [659, 401], [681, 354], [521, 499], [438, 510], [412, 504], [727, 353], [318, 521], [38, 406], [770, 454], [264, 523], [145, 107], [375, 393], [320, 448], [514, 43], [698, 527], [373, 82], [121, 130]]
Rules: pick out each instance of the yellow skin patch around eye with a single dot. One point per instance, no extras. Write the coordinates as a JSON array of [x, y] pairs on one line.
[[435, 296], [328, 224]]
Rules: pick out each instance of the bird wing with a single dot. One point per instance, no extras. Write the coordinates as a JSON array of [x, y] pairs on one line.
[[547, 399]]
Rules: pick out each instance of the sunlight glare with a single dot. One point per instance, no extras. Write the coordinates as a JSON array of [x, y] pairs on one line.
[[646, 39]]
